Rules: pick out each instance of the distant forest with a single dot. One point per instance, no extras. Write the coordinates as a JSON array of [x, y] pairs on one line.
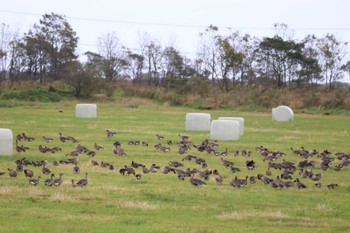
[[47, 54]]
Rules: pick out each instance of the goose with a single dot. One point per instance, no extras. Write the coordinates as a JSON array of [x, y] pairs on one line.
[[12, 173], [268, 172], [145, 170], [62, 138], [226, 163], [154, 168], [169, 142], [104, 164], [189, 157], [59, 181], [34, 181], [250, 164], [264, 179], [175, 164], [111, 167], [332, 186], [244, 153], [300, 185], [277, 183], [234, 182], [91, 153], [19, 137], [97, 147], [49, 182], [315, 177], [196, 182], [144, 143], [234, 169], [224, 153], [44, 149], [94, 163], [19, 168], [167, 169], [165, 149], [252, 179], [45, 170], [28, 173], [76, 169], [2, 173], [219, 179], [117, 150], [27, 138], [181, 174], [20, 149], [160, 137], [110, 134], [55, 163], [82, 182], [72, 139], [138, 176], [318, 184], [47, 139], [135, 164]]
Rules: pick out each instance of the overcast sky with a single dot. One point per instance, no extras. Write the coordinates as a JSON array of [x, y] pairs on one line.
[[179, 22]]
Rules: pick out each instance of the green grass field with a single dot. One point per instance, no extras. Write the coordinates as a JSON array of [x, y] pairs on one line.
[[160, 202]]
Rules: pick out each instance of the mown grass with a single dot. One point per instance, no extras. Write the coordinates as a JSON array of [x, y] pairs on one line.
[[161, 203]]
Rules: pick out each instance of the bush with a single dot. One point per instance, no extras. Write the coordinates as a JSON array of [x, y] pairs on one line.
[[39, 95]]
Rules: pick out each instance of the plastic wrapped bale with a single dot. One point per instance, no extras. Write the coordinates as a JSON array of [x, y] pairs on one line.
[[224, 130], [6, 142], [240, 121], [86, 110], [282, 113], [198, 121]]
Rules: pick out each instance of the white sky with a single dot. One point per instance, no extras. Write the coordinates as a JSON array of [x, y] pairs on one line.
[[180, 21]]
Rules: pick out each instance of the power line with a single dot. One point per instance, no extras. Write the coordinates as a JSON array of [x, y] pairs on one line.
[[175, 25]]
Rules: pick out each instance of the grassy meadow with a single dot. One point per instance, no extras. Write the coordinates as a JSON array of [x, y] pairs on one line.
[[160, 202]]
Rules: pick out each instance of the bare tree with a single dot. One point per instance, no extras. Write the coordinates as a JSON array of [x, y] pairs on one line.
[[113, 56]]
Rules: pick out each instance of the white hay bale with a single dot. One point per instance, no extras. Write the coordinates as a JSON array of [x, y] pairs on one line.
[[224, 130], [282, 113], [6, 142], [240, 121], [198, 121], [86, 110]]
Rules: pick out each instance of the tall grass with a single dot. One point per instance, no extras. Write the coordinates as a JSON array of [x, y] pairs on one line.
[[163, 203]]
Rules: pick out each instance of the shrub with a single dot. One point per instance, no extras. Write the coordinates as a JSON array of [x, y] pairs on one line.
[[39, 95]]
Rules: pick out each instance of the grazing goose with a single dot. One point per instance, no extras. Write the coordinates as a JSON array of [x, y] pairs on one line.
[[12, 173], [332, 186], [49, 182], [196, 182], [91, 153], [219, 179], [110, 134], [27, 138], [2, 173], [167, 169], [226, 163], [145, 170], [19, 168], [136, 165], [59, 181], [175, 164], [300, 185], [94, 163], [20, 149], [234, 169], [189, 157], [318, 184], [315, 177], [111, 167], [117, 149], [264, 179], [47, 139], [82, 182], [45, 170], [97, 147], [34, 181], [72, 139], [144, 143], [28, 173]]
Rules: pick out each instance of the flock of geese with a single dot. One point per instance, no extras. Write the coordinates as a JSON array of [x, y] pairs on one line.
[[274, 160]]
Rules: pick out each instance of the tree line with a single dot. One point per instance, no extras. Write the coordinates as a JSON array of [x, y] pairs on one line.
[[47, 52]]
